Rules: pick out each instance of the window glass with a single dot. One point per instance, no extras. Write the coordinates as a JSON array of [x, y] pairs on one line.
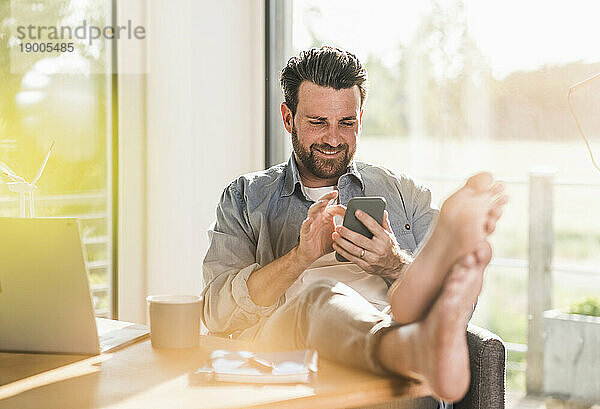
[[59, 96], [461, 86]]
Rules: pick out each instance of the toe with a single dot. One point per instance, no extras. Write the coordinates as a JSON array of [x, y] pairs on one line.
[[490, 226], [484, 253], [480, 181], [500, 201], [469, 260], [497, 188], [495, 213]]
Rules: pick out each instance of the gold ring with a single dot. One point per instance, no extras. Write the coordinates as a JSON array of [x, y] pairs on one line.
[[362, 253]]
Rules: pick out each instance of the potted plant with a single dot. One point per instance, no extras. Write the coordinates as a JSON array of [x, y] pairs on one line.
[[572, 351]]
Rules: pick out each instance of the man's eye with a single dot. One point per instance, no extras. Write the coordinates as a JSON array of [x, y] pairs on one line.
[[348, 123], [317, 122]]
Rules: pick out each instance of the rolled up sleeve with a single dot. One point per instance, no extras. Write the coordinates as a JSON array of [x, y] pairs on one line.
[[230, 260], [239, 290]]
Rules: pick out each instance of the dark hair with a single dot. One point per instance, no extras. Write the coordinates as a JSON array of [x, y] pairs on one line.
[[325, 66]]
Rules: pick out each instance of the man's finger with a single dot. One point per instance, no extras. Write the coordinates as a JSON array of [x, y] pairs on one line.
[[347, 245], [352, 258], [354, 237], [319, 203], [329, 196], [336, 210], [386, 221], [370, 223], [317, 207], [306, 225]]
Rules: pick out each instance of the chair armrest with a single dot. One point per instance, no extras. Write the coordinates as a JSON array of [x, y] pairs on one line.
[[487, 357]]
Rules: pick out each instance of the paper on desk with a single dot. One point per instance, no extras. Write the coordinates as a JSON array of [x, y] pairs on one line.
[[115, 334], [268, 367]]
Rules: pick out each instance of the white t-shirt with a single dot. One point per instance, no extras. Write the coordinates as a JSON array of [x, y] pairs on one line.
[[371, 287], [315, 193]]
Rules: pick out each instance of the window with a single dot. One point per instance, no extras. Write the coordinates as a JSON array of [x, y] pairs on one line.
[[460, 86], [62, 96]]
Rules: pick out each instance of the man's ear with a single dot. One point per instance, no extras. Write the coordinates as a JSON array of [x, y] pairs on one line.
[[287, 117]]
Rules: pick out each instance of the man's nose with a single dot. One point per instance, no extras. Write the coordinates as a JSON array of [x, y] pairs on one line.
[[333, 136]]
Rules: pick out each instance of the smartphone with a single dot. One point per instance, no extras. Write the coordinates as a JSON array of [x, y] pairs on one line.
[[372, 205]]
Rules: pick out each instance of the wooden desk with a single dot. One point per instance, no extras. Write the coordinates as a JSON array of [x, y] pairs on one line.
[[142, 377]]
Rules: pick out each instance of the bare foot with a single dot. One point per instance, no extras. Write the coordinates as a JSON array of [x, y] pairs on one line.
[[466, 219], [470, 214], [436, 347], [444, 329]]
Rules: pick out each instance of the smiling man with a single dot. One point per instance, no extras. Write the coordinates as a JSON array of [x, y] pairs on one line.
[[324, 162], [270, 271]]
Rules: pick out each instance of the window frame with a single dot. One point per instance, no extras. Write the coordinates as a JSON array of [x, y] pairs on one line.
[[113, 153], [278, 48]]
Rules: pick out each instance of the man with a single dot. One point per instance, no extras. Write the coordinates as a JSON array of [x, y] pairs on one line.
[[270, 273]]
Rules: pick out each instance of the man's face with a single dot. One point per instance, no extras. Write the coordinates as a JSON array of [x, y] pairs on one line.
[[325, 129]]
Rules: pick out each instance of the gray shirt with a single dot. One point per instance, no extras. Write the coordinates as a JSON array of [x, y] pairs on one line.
[[259, 218]]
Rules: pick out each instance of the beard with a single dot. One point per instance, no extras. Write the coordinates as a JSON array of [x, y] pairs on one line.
[[318, 166]]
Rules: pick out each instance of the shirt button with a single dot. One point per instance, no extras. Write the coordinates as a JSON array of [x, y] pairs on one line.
[[407, 226]]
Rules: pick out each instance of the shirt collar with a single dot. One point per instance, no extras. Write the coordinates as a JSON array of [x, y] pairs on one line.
[[292, 176], [353, 170]]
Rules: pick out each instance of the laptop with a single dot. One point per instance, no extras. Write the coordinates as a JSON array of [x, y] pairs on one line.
[[45, 300]]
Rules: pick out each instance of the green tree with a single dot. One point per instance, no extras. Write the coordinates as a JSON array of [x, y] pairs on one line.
[[386, 108], [448, 61]]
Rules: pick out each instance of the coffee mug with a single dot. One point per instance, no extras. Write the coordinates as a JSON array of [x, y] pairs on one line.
[[174, 320]]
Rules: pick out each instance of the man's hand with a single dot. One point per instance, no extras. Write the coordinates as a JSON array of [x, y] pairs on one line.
[[317, 228], [269, 283], [382, 255]]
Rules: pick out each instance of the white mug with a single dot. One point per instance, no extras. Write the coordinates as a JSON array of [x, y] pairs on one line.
[[174, 320]]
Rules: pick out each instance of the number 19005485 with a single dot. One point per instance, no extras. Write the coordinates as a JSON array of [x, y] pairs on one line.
[[47, 47]]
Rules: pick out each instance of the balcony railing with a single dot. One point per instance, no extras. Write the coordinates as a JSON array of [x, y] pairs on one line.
[[539, 264]]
